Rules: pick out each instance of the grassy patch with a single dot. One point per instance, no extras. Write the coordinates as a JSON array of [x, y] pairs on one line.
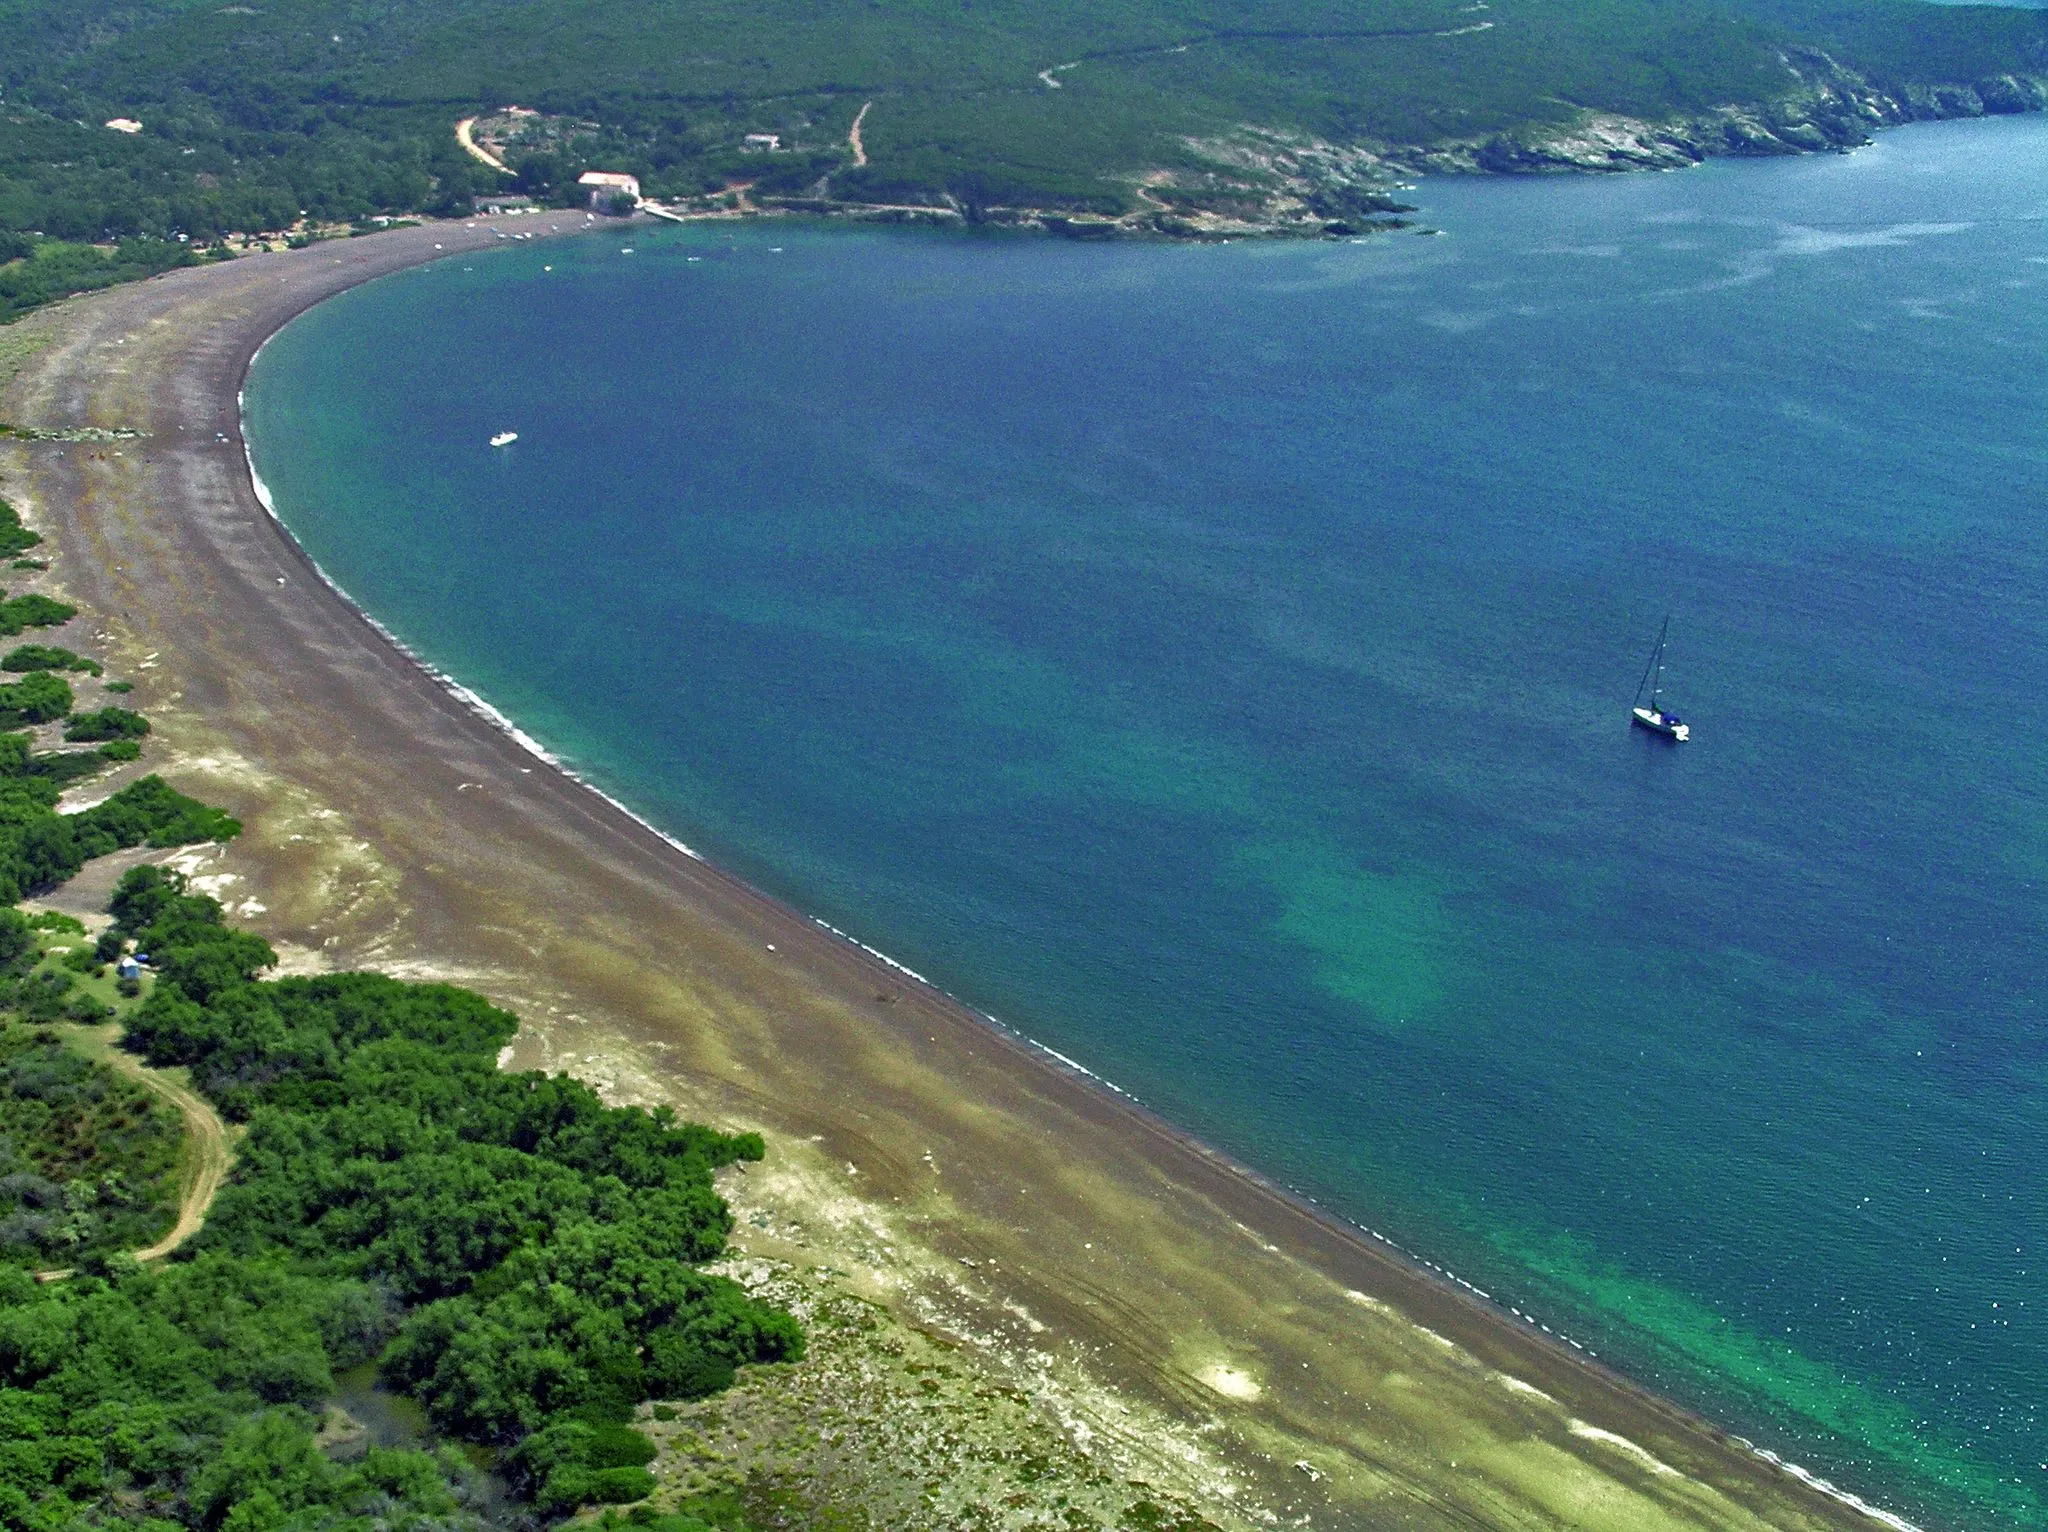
[[17, 347], [881, 1426]]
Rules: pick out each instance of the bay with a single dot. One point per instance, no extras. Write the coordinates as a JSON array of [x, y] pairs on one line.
[[1215, 662]]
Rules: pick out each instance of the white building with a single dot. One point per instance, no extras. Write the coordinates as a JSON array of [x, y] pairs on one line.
[[604, 186]]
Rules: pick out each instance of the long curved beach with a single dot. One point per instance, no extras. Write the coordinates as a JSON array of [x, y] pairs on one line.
[[1190, 1324]]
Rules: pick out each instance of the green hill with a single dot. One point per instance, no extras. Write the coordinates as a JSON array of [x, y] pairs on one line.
[[252, 113]]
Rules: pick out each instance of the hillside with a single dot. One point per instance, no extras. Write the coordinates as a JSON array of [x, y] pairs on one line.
[[252, 115]]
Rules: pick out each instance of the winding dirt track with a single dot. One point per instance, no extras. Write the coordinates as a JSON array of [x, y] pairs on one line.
[[206, 1152], [206, 1155], [1312, 1375], [466, 137], [853, 140]]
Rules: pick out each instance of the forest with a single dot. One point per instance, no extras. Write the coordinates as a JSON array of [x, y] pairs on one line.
[[252, 118], [521, 1259]]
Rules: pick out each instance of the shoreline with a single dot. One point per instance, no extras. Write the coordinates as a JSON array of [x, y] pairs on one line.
[[412, 727], [1037, 1053], [1841, 113], [1042, 1054]]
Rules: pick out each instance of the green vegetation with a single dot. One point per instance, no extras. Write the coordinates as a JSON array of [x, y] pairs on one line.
[[254, 117], [36, 698], [14, 537], [33, 611], [48, 269], [40, 848], [107, 723], [516, 1255], [88, 1161], [47, 657], [183, 1396], [698, 1513]]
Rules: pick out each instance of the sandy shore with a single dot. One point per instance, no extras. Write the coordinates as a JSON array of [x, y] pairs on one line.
[[1167, 1316]]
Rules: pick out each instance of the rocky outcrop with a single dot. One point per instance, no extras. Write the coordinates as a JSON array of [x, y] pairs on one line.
[[1265, 181], [1830, 108], [1261, 181]]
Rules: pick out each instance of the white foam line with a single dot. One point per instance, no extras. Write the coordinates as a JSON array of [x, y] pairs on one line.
[[876, 953], [1001, 1026], [468, 697], [498, 719], [1079, 1069], [1834, 1492]]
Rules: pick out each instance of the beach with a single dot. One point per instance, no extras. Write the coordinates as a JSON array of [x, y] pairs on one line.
[[1167, 1314]]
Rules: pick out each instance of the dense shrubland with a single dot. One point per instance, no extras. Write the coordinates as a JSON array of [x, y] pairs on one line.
[[88, 1160], [28, 657], [15, 539], [517, 1256], [106, 723]]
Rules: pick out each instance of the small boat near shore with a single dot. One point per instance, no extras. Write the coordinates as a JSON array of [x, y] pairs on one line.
[[1654, 716], [504, 438]]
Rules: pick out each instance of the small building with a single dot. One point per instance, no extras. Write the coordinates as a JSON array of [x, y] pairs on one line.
[[127, 968], [124, 124], [607, 190], [767, 143]]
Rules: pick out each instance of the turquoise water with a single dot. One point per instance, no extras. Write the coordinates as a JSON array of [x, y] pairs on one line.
[[1215, 663]]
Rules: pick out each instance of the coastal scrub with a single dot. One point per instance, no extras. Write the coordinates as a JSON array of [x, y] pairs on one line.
[[30, 657], [517, 1256], [15, 539], [88, 1161], [107, 723]]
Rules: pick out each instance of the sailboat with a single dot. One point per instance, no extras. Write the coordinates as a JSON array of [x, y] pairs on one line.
[[1654, 717]]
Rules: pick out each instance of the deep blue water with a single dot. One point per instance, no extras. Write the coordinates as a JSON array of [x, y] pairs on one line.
[[1215, 662]]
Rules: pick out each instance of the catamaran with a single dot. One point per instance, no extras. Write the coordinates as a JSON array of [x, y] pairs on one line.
[[1654, 717]]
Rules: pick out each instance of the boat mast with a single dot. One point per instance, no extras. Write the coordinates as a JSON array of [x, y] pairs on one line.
[[1655, 667]]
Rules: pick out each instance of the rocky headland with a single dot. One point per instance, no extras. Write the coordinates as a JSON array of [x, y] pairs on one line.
[[1267, 182]]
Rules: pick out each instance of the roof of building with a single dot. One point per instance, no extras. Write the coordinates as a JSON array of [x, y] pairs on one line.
[[606, 178]]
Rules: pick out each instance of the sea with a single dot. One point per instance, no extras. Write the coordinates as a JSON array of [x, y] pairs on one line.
[[1215, 662]]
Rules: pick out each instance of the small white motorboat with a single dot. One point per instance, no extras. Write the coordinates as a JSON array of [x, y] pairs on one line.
[[504, 438]]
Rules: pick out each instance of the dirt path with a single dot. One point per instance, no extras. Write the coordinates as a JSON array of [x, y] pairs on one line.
[[206, 1155], [860, 153], [465, 137], [206, 1151]]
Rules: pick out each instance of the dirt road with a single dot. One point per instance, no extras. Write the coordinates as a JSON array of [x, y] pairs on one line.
[[206, 1153]]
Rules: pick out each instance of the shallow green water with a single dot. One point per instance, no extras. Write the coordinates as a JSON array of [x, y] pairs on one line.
[[1215, 663]]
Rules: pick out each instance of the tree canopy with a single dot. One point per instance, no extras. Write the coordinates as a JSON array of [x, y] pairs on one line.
[[522, 1259]]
